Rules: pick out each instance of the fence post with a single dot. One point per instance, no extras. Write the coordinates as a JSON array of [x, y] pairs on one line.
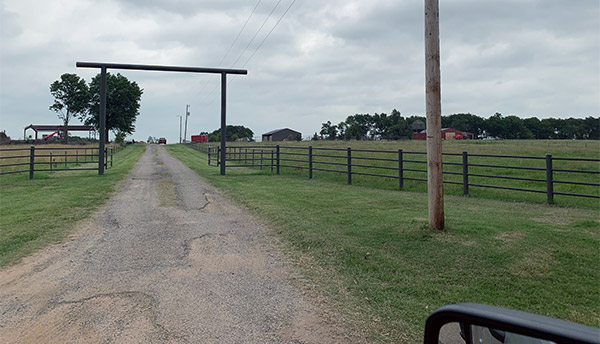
[[65, 159], [549, 179], [465, 165], [111, 157], [51, 161], [349, 166], [31, 161], [209, 152], [261, 159], [271, 160], [400, 169], [278, 159], [310, 163]]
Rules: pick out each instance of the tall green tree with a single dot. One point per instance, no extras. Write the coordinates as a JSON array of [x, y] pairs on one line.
[[122, 104], [71, 98], [329, 131], [232, 133]]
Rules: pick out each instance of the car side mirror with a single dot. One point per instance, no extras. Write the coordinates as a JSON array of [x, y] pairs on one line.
[[471, 323]]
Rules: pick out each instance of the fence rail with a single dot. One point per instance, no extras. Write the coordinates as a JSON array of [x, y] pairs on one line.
[[468, 170], [38, 159]]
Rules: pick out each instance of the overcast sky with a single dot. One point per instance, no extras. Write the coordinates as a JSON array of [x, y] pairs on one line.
[[325, 60]]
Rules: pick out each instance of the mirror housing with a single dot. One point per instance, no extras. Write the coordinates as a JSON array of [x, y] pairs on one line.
[[522, 323]]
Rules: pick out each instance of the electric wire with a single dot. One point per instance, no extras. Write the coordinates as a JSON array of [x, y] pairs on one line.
[[231, 46], [268, 34], [257, 32], [258, 47]]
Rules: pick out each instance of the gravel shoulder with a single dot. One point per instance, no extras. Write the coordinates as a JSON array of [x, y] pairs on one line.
[[167, 260]]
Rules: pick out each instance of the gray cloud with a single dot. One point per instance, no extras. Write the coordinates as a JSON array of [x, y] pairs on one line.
[[324, 61]]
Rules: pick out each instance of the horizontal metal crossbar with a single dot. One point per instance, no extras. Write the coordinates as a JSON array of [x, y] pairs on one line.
[[160, 68]]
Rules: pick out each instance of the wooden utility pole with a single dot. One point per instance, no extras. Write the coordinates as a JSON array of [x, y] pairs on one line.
[[435, 186], [179, 128], [187, 114]]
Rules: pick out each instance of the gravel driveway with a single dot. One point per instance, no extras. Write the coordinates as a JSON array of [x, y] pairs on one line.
[[198, 270]]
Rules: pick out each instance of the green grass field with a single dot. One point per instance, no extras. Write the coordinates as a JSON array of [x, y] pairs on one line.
[[35, 213], [370, 253], [536, 148]]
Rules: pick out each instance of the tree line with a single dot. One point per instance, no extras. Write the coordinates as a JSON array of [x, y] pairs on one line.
[[74, 98], [395, 127]]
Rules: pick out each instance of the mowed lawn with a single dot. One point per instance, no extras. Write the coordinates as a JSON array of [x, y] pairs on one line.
[[370, 253], [35, 213]]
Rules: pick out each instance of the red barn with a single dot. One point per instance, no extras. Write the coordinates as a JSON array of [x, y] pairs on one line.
[[447, 134], [199, 138]]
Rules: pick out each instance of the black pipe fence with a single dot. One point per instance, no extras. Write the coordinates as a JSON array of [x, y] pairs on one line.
[[37, 159], [464, 169]]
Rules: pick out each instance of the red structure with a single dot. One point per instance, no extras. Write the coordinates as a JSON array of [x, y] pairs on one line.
[[199, 138], [447, 134]]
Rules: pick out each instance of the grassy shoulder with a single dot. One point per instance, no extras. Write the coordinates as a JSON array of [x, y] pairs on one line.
[[35, 213], [373, 255]]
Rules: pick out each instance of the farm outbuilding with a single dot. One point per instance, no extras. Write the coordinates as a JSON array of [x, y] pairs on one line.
[[57, 129], [281, 135], [447, 134]]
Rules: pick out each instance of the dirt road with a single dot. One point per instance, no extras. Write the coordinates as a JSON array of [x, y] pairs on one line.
[[166, 261]]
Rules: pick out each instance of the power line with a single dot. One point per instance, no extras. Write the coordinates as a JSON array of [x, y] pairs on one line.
[[259, 46], [265, 38], [239, 33], [232, 44], [269, 34], [256, 34]]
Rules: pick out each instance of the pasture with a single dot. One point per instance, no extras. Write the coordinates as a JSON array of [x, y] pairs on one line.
[[510, 167], [368, 250], [38, 212]]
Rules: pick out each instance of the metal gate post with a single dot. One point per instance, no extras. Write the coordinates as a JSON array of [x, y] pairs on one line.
[[400, 169], [277, 159], [223, 120], [310, 163], [31, 161], [349, 166], [102, 126], [465, 166], [549, 179]]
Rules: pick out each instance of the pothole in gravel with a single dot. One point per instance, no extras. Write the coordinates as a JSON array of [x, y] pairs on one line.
[[225, 253]]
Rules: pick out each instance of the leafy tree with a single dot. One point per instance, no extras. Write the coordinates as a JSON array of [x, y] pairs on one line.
[[150, 139], [232, 133], [464, 122], [122, 104], [315, 137], [540, 129], [71, 98], [328, 131], [120, 137], [592, 127], [397, 126], [358, 126]]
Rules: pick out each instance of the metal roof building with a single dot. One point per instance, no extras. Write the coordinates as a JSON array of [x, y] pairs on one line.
[[281, 135]]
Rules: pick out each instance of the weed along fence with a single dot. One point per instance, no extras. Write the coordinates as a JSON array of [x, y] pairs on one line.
[[37, 159], [552, 176]]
